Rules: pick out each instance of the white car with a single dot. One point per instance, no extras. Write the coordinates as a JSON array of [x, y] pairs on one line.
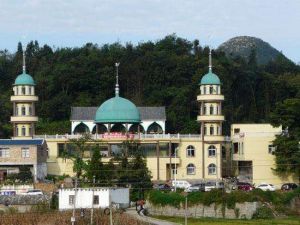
[[181, 184], [266, 187], [34, 192], [213, 185]]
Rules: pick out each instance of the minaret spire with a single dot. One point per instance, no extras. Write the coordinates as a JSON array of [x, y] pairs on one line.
[[210, 61], [117, 90], [24, 62]]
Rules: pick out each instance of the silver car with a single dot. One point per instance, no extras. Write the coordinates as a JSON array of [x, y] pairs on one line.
[[196, 187]]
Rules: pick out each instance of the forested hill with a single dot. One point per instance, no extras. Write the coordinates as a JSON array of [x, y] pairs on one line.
[[162, 73], [244, 46]]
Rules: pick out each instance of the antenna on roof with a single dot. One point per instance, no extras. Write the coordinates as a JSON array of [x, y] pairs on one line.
[[210, 61], [117, 90]]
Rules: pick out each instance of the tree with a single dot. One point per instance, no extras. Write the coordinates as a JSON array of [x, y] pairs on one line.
[[287, 145], [76, 151], [94, 168]]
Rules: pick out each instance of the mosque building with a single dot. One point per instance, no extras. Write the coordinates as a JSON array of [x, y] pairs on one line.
[[205, 156]]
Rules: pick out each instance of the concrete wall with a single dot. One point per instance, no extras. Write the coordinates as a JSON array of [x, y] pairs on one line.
[[241, 211]]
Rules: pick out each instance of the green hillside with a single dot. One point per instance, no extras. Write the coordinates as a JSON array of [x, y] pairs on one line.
[[162, 73]]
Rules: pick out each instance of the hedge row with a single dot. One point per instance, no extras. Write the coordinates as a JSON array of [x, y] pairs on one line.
[[216, 196]]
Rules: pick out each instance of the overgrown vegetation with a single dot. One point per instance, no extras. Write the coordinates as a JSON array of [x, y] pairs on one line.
[[279, 199]]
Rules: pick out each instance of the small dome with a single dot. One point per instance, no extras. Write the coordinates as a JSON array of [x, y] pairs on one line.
[[24, 79], [210, 78], [117, 110]]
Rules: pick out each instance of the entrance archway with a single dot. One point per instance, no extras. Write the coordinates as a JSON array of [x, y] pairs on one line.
[[81, 128]]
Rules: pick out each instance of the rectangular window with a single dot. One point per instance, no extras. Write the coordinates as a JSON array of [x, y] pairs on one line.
[[4, 153], [96, 200], [236, 130], [61, 149], [25, 152], [271, 149], [235, 148], [71, 199]]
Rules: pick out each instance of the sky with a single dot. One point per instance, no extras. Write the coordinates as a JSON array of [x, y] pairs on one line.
[[72, 23]]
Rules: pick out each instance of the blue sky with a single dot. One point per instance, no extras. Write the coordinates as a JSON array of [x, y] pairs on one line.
[[70, 23]]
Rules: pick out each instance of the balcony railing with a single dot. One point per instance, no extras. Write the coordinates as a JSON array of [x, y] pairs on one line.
[[131, 136]]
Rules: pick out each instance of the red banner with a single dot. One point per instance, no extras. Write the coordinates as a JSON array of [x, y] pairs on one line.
[[118, 135]]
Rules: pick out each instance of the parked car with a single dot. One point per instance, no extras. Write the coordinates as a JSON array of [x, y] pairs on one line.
[[181, 184], [243, 186], [7, 192], [289, 186], [34, 192], [196, 187], [213, 185], [266, 187], [163, 187]]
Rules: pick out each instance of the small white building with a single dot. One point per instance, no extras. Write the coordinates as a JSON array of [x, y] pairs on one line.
[[98, 197]]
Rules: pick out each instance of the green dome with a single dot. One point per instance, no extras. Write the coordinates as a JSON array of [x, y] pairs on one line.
[[24, 79], [117, 110], [210, 78]]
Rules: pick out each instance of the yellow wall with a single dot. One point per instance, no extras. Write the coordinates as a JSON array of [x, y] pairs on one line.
[[255, 139]]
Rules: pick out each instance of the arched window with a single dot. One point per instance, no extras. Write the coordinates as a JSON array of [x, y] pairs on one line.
[[204, 88], [190, 151], [30, 110], [204, 109], [30, 131], [135, 128], [23, 90], [118, 127], [190, 169], [154, 128], [23, 131], [211, 89], [211, 130], [211, 169], [212, 151], [81, 128], [101, 129], [23, 109], [211, 110]]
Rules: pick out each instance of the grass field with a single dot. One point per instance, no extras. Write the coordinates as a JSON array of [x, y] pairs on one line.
[[209, 221]]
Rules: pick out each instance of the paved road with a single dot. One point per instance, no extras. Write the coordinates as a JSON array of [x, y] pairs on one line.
[[150, 220]]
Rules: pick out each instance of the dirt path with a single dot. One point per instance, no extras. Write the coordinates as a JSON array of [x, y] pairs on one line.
[[149, 220]]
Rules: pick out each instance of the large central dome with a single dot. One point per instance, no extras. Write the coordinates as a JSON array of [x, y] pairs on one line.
[[117, 110]]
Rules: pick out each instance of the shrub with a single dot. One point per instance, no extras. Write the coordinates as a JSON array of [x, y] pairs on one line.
[[263, 213]]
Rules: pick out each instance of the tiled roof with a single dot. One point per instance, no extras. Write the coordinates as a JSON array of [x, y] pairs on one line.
[[21, 142], [146, 113]]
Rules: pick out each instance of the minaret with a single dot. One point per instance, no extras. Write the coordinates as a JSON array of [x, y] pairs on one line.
[[117, 89], [24, 99], [211, 119]]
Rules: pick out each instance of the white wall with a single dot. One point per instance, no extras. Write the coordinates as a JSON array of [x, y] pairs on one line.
[[84, 197]]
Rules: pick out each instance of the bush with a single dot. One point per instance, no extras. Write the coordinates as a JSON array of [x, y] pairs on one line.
[[263, 213]]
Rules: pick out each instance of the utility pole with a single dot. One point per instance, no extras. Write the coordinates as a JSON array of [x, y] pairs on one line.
[[110, 210], [185, 214], [92, 210], [175, 170], [74, 205]]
